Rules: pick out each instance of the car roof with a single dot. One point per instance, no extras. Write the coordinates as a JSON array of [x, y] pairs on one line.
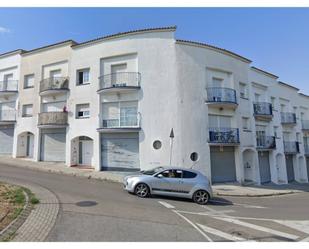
[[180, 168]]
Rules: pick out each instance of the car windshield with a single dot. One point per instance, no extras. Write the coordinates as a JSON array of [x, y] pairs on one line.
[[151, 171]]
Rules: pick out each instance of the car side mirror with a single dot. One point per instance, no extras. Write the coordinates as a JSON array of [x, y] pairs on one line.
[[159, 175]]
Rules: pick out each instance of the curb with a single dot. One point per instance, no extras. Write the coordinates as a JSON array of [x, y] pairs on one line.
[[257, 195]]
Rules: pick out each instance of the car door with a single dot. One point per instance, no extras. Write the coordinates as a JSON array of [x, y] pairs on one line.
[[188, 181]]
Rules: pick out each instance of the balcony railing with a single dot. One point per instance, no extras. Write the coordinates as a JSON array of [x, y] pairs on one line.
[[262, 108], [53, 118], [219, 95], [266, 142], [288, 118], [305, 124], [224, 135], [9, 86], [54, 83], [124, 79], [291, 147], [122, 121], [7, 115]]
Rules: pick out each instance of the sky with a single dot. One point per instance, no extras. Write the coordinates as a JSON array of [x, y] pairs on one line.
[[275, 39]]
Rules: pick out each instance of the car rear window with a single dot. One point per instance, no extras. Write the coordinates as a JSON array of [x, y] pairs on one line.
[[188, 174]]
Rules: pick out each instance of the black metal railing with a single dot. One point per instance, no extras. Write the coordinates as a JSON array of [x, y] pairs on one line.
[[262, 108], [122, 121], [7, 115], [266, 142], [288, 118], [53, 118], [305, 124], [8, 86], [54, 83], [291, 147], [224, 135], [124, 79], [220, 94]]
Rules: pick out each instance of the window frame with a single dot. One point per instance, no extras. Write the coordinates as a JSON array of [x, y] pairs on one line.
[[25, 80], [77, 111], [82, 70], [23, 115]]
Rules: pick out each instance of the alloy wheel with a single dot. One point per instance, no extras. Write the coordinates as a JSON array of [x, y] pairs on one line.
[[142, 190], [201, 197]]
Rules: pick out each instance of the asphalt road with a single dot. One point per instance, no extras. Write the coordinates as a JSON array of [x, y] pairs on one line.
[[115, 215]]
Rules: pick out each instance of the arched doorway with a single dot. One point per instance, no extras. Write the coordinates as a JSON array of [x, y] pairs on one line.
[[249, 165], [280, 168], [25, 145], [82, 151]]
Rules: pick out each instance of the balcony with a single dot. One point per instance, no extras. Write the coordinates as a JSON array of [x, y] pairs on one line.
[[224, 136], [54, 85], [121, 123], [288, 118], [120, 82], [7, 116], [8, 87], [53, 119], [291, 147], [305, 125], [263, 111], [265, 142], [221, 97]]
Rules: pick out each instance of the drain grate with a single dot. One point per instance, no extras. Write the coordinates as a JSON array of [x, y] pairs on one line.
[[86, 203]]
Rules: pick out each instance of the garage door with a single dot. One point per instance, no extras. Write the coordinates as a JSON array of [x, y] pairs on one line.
[[120, 152], [289, 168], [264, 167], [6, 139], [53, 145], [222, 164], [307, 162]]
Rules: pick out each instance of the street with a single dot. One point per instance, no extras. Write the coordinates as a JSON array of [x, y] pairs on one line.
[[93, 210]]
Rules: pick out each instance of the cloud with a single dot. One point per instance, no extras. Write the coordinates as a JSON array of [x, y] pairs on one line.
[[4, 30]]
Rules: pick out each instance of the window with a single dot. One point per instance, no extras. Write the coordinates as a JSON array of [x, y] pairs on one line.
[[29, 81], [157, 144], [82, 111], [172, 173], [83, 76], [118, 76], [245, 123], [188, 174], [217, 82], [219, 121], [276, 132], [194, 156], [295, 110], [243, 90], [27, 110], [273, 102], [298, 137], [55, 73]]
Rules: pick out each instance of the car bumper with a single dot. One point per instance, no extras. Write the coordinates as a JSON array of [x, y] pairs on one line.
[[128, 187]]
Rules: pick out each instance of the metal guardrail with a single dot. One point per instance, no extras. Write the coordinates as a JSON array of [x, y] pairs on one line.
[[53, 118], [266, 142], [7, 115], [54, 83], [288, 118], [224, 135], [124, 79], [291, 147], [220, 94], [262, 108], [10, 85], [122, 121]]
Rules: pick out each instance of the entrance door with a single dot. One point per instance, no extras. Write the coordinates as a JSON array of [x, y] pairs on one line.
[[290, 168], [53, 145], [264, 167], [307, 163], [30, 144], [85, 151]]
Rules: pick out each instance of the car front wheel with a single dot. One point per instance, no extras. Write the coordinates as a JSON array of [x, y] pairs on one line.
[[142, 190], [201, 197]]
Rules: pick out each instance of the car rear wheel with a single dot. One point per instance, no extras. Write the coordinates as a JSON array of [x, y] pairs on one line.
[[201, 197], [142, 190]]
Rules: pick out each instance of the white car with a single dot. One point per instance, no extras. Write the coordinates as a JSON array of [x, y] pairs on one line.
[[170, 181]]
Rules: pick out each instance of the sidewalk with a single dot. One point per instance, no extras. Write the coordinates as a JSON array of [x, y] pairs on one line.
[[270, 189], [61, 168]]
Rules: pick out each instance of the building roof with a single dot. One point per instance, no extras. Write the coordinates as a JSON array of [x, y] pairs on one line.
[[220, 50], [121, 34], [265, 72], [66, 42], [288, 85], [16, 51]]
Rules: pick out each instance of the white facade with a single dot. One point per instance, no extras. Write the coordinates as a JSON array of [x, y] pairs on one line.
[[112, 104]]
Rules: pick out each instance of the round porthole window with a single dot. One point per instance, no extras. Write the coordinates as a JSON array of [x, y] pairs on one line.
[[194, 156], [157, 144]]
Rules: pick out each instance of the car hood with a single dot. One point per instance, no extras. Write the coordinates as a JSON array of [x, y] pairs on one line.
[[135, 175]]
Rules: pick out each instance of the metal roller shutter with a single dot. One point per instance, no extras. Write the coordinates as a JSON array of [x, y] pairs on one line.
[[53, 145], [6, 139], [120, 152], [290, 168], [307, 163], [264, 167], [223, 167]]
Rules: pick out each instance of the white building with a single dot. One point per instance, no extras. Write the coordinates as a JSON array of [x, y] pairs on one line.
[[141, 99]]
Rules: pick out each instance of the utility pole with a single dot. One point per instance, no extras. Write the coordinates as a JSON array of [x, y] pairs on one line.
[[171, 144]]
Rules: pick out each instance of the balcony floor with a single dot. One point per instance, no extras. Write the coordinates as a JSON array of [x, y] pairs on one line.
[[119, 130]]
